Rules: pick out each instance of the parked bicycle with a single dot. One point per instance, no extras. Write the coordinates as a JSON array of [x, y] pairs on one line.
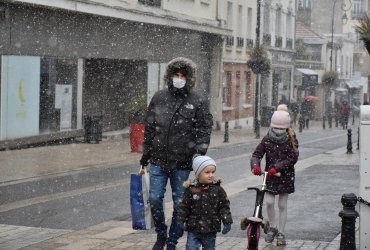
[[254, 223]]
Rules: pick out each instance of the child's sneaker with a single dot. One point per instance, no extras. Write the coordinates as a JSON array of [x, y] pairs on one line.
[[271, 233], [280, 239]]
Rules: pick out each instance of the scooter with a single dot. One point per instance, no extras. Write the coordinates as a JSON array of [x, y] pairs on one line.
[[254, 223]]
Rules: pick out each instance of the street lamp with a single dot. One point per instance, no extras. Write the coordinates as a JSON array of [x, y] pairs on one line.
[[256, 99], [344, 19]]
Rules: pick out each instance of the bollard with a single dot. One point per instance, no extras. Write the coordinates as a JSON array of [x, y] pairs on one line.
[[358, 138], [258, 129], [323, 122], [226, 135], [349, 142], [330, 120], [301, 122], [348, 215]]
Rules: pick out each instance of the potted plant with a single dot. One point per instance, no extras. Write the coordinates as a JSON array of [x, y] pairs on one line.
[[259, 63], [363, 29], [329, 80], [137, 110]]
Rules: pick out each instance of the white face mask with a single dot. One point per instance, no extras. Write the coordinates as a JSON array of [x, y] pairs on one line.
[[178, 83]]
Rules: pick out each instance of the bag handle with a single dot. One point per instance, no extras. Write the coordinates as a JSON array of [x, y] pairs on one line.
[[143, 170]]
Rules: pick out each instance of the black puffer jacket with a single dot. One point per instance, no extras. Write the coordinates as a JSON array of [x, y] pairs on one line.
[[178, 122], [204, 207]]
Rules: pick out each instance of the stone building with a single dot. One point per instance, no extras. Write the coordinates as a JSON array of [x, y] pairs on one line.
[[64, 60]]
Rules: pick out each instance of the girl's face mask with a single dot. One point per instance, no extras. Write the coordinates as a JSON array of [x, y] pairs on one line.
[[178, 83]]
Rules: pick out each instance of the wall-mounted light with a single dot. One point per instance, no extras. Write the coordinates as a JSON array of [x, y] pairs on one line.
[[344, 18]]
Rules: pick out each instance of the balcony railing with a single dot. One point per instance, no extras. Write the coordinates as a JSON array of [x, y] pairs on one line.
[[229, 41], [315, 57], [289, 43], [278, 41], [153, 3], [239, 42], [249, 43], [267, 39], [309, 65]]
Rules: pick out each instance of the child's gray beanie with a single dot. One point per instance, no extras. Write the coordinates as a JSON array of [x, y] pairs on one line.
[[200, 162]]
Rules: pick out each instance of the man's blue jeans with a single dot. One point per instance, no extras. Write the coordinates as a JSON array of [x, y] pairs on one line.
[[158, 183], [207, 241]]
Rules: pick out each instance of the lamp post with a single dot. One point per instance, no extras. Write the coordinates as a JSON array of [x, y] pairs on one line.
[[344, 19], [332, 37], [256, 97]]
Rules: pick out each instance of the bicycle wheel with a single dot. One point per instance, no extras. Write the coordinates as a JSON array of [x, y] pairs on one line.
[[253, 235]]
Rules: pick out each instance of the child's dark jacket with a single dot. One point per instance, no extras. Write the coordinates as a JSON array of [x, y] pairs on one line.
[[204, 206], [282, 157]]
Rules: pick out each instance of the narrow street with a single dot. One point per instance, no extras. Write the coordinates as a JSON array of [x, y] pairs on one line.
[[313, 208]]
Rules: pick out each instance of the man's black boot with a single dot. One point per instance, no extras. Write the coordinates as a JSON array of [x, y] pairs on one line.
[[160, 243]]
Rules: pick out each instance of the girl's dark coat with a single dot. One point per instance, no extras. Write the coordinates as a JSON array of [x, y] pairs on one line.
[[282, 157]]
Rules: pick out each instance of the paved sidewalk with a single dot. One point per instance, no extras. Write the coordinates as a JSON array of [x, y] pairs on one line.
[[34, 163], [119, 235]]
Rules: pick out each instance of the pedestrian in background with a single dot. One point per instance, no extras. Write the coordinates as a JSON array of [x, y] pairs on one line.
[[205, 205], [178, 125], [306, 112], [344, 113], [280, 147], [294, 107]]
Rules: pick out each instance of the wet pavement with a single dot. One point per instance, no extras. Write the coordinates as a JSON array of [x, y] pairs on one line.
[[38, 164]]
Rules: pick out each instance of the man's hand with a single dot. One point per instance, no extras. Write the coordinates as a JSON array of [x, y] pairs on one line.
[[226, 229], [195, 155]]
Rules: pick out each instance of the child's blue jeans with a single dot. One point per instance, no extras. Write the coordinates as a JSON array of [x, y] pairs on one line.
[[207, 241]]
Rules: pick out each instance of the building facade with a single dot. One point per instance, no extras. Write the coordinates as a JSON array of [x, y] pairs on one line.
[[346, 55], [237, 83], [278, 36], [64, 60]]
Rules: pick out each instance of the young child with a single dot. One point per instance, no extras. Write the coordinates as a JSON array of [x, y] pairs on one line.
[[204, 206], [281, 149]]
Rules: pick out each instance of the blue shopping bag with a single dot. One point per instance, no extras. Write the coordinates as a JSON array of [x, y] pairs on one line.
[[139, 201]]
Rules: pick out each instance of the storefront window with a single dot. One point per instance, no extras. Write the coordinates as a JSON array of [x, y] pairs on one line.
[[58, 83], [38, 95]]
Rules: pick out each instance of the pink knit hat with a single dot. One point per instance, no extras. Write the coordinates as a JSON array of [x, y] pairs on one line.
[[280, 119], [282, 107]]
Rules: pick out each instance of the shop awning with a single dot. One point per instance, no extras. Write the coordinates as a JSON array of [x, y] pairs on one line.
[[352, 84], [310, 78], [309, 72]]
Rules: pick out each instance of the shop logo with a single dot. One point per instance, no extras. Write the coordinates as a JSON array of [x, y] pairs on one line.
[[21, 97]]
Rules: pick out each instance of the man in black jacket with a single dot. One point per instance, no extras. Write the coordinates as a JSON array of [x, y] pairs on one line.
[[178, 126]]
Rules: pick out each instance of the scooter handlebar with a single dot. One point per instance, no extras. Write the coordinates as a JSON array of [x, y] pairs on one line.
[[278, 174]]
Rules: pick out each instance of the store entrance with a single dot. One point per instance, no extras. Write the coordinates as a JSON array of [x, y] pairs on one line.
[[109, 86]]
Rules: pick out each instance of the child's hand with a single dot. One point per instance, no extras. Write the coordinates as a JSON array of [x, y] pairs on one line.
[[226, 229], [272, 171], [257, 170]]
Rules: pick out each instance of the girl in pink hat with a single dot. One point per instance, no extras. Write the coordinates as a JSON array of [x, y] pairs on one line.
[[281, 149]]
